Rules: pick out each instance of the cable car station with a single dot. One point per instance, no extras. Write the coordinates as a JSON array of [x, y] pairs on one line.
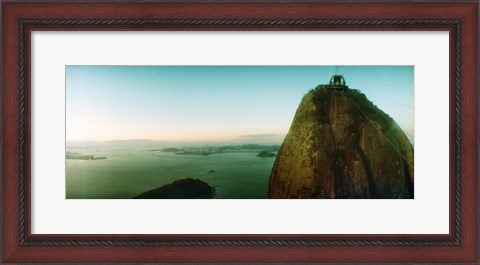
[[337, 82]]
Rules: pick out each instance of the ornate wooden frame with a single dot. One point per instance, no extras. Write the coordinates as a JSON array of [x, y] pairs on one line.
[[19, 19]]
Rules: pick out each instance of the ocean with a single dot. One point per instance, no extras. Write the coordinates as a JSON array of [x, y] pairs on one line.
[[130, 171]]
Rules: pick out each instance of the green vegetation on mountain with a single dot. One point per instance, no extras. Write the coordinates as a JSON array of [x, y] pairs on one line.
[[340, 145]]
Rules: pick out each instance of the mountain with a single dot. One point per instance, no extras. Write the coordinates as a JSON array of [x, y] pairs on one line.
[[341, 146]]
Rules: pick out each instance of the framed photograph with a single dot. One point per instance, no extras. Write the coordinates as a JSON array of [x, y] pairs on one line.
[[239, 132]]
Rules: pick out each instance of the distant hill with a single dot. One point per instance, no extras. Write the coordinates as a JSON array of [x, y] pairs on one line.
[[116, 143], [340, 145], [211, 150]]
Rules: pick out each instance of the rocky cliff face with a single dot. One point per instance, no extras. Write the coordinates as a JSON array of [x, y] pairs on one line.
[[341, 146]]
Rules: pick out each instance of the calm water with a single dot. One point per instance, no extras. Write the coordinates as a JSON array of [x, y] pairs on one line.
[[129, 172]]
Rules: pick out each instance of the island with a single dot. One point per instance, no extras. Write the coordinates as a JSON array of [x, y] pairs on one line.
[[265, 153], [188, 188], [223, 149], [78, 156]]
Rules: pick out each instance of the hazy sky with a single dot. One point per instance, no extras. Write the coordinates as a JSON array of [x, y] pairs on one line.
[[214, 103]]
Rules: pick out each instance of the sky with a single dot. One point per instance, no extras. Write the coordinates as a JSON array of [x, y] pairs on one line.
[[215, 103]]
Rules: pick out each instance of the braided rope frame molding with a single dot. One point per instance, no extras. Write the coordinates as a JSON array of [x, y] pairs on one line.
[[313, 24]]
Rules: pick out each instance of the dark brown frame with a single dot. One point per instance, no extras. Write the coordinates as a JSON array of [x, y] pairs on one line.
[[20, 18]]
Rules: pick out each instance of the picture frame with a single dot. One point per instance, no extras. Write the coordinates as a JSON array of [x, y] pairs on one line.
[[19, 245]]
